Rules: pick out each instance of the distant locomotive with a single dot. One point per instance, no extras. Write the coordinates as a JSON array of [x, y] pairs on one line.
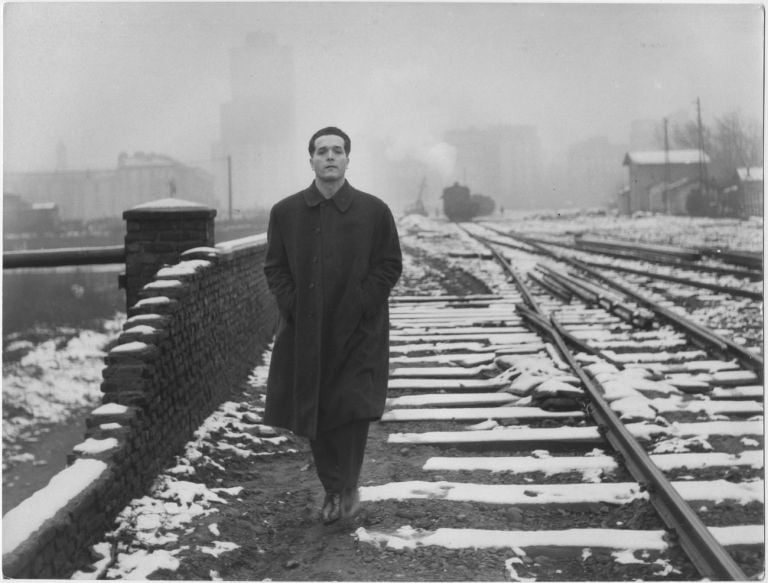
[[460, 205]]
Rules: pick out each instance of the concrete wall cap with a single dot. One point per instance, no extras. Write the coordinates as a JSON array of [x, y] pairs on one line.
[[111, 426], [27, 518], [166, 206], [243, 243], [164, 284], [96, 446], [130, 347], [185, 268], [155, 301], [111, 409], [155, 320], [201, 253], [142, 330]]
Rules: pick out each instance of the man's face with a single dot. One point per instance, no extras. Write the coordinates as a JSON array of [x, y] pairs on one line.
[[329, 160]]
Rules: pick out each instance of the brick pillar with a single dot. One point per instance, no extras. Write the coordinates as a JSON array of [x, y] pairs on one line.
[[157, 232]]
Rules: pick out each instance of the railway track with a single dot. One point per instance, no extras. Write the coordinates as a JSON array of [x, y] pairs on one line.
[[577, 422]]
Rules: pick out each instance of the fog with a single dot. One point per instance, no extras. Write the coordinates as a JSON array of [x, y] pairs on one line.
[[103, 78]]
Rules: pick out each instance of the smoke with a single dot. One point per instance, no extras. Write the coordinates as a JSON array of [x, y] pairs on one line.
[[438, 157], [410, 107]]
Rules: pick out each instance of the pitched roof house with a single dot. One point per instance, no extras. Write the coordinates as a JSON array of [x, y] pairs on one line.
[[654, 167]]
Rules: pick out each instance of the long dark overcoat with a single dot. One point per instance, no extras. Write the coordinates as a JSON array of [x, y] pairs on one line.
[[330, 265]]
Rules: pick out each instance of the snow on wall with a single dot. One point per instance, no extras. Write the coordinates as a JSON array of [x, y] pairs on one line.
[[184, 346]]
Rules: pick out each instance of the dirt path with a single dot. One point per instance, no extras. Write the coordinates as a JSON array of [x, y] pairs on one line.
[[275, 522]]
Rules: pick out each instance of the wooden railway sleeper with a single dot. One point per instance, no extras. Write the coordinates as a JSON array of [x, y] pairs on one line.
[[541, 323], [726, 347], [582, 345], [707, 555], [634, 315], [712, 340], [734, 291], [552, 287], [581, 291]]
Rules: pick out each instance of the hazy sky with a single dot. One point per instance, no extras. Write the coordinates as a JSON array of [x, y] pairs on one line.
[[106, 77]]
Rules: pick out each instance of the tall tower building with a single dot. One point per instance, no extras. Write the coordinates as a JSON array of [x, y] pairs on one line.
[[61, 157], [257, 124]]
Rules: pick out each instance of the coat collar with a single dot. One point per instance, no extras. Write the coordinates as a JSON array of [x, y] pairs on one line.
[[342, 199]]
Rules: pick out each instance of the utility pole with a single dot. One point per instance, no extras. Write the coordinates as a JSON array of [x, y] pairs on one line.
[[702, 167], [666, 166], [229, 184]]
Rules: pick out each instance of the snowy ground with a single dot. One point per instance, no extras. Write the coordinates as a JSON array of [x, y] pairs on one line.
[[656, 229], [44, 382], [185, 517]]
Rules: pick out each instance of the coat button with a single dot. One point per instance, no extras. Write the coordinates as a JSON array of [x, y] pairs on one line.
[[317, 231], [314, 259], [311, 286]]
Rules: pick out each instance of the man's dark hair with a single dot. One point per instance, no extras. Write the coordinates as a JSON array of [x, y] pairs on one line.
[[330, 131]]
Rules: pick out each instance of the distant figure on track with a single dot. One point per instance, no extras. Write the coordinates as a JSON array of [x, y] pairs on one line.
[[333, 256]]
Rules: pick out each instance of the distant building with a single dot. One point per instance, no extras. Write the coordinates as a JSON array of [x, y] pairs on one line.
[[20, 216], [145, 177], [593, 172], [96, 194], [503, 162], [622, 200], [257, 124], [749, 182], [675, 198], [651, 168]]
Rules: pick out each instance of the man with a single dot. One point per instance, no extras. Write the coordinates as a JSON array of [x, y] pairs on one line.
[[333, 256]]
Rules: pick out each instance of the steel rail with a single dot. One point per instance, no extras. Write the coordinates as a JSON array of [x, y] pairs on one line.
[[584, 293], [614, 305], [709, 338], [746, 271], [735, 291], [750, 259], [486, 240], [645, 248], [524, 291], [686, 527], [552, 287], [703, 334], [64, 257], [706, 553], [538, 320], [752, 274]]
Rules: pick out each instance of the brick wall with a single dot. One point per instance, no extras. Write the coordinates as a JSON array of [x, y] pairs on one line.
[[197, 330]]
